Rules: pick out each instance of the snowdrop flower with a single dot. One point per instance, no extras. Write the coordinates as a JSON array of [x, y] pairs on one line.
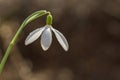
[[46, 37], [45, 33]]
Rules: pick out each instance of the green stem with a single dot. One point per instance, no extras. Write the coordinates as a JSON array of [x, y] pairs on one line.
[[25, 22]]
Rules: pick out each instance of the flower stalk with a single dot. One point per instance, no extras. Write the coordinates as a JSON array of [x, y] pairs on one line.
[[25, 22]]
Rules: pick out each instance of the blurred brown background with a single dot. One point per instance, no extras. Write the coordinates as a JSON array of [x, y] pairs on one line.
[[92, 28]]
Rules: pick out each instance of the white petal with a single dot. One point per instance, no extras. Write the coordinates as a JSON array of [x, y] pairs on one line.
[[46, 39], [61, 39], [34, 35]]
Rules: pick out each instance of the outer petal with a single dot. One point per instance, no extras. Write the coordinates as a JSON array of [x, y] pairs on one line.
[[34, 35], [61, 39], [46, 39]]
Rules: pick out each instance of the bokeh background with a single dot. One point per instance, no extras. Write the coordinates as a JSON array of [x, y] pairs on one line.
[[92, 28]]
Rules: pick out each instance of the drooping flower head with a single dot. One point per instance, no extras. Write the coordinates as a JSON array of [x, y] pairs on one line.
[[46, 36]]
